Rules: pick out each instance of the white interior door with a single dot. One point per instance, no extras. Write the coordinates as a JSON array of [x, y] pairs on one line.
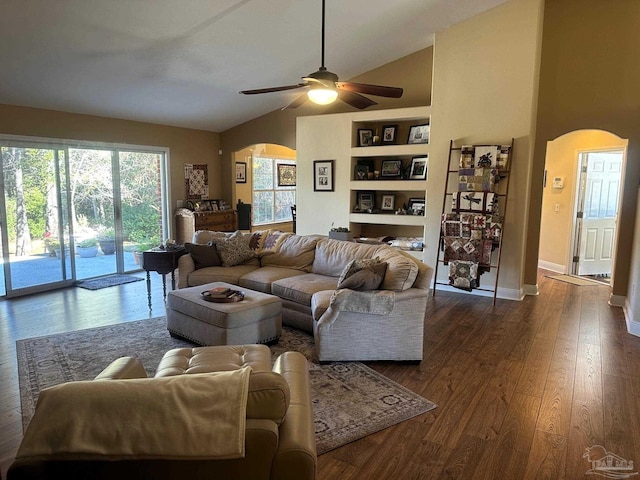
[[596, 223]]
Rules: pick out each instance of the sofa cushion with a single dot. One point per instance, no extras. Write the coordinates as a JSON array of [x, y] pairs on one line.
[[401, 270], [320, 303], [300, 289], [363, 275], [203, 255], [233, 250], [332, 256], [262, 278], [203, 237], [295, 251], [222, 274]]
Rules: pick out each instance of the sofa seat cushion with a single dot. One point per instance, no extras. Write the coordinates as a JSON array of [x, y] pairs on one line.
[[333, 255], [300, 289], [221, 274], [261, 279]]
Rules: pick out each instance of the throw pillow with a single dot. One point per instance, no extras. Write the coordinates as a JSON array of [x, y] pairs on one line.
[[363, 275], [233, 250], [203, 255]]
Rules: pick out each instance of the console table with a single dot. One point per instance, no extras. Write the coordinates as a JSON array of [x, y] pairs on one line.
[[163, 261]]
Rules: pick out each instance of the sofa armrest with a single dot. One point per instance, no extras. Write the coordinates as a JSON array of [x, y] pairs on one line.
[[348, 335], [186, 266], [296, 457], [123, 367]]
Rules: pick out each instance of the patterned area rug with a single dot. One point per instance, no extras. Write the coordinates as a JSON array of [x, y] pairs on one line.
[[350, 400], [109, 281]]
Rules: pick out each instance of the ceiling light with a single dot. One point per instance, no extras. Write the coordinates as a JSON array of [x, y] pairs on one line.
[[322, 95]]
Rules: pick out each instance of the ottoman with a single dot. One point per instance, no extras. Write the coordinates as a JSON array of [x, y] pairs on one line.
[[256, 319]]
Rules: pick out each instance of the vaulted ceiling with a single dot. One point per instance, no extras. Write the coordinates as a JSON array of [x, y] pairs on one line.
[[182, 62]]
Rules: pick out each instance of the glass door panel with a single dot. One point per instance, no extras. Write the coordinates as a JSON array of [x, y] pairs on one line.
[[35, 247], [92, 211], [140, 193]]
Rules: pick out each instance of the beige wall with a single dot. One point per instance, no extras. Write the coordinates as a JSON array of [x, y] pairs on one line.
[[484, 90], [185, 145], [412, 73], [562, 161], [589, 80]]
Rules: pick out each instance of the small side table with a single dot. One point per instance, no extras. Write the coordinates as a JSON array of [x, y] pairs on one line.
[[162, 261]]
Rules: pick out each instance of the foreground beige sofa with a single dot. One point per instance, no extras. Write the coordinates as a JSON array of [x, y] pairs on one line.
[[303, 271], [75, 432]]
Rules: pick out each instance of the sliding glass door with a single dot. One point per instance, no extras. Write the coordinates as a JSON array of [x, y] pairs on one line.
[[73, 213]]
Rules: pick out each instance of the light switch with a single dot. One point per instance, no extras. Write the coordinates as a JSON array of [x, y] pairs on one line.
[[556, 208]]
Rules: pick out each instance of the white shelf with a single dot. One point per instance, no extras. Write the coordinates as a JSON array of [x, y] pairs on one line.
[[413, 149], [384, 185], [387, 219]]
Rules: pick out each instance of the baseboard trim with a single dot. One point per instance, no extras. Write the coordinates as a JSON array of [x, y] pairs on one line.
[[617, 300], [528, 289], [554, 267], [633, 326], [503, 293]]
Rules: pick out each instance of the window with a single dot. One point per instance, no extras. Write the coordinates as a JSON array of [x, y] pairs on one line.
[[271, 203]]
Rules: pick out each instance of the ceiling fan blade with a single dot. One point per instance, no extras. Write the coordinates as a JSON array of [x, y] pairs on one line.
[[378, 90], [296, 102], [271, 89], [355, 100]]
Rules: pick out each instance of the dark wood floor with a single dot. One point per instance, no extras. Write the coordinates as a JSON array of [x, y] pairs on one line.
[[522, 388]]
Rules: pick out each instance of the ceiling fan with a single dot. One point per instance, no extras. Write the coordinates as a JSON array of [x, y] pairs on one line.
[[323, 87]]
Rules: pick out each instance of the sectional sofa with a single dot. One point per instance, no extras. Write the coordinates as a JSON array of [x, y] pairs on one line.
[[359, 323]]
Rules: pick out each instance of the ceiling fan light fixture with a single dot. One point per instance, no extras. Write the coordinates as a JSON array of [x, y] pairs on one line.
[[322, 95]]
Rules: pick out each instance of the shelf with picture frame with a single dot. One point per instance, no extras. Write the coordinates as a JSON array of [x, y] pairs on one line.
[[380, 141]]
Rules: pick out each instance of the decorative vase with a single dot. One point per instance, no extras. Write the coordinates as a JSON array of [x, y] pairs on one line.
[[108, 246], [87, 252]]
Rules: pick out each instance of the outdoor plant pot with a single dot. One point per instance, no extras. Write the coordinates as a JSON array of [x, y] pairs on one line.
[[87, 252], [137, 256], [108, 246]]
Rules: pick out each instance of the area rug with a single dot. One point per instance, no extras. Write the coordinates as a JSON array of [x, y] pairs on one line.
[[350, 400], [108, 281], [582, 282]]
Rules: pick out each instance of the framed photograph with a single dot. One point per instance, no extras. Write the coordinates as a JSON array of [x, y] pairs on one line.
[[286, 175], [418, 168], [365, 137], [389, 134], [417, 205], [366, 201], [241, 172], [391, 168], [418, 134], [361, 172], [323, 175], [388, 201]]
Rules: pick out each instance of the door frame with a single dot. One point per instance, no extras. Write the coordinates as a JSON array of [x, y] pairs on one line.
[[574, 240]]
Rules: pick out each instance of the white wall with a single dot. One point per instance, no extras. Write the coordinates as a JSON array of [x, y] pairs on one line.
[[632, 305], [322, 137], [485, 83]]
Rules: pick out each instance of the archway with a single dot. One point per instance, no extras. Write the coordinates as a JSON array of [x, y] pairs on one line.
[[560, 231], [269, 197]]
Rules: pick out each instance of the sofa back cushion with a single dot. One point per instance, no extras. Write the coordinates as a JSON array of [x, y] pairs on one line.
[[333, 255], [203, 237], [203, 255], [401, 270], [295, 251]]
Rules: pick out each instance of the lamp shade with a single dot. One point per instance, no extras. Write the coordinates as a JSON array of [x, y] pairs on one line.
[[322, 96]]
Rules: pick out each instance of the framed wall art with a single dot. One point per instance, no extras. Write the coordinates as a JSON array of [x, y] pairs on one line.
[[389, 134], [323, 173], [418, 134], [365, 137], [366, 201], [388, 201], [286, 175], [418, 168], [391, 168], [241, 172]]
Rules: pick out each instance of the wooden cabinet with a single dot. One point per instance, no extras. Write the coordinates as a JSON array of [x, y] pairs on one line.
[[221, 221], [188, 221]]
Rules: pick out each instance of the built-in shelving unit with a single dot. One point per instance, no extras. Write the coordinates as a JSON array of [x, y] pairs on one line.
[[388, 222]]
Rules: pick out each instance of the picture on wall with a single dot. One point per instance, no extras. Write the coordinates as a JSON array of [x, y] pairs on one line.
[[286, 175], [323, 175], [241, 172]]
